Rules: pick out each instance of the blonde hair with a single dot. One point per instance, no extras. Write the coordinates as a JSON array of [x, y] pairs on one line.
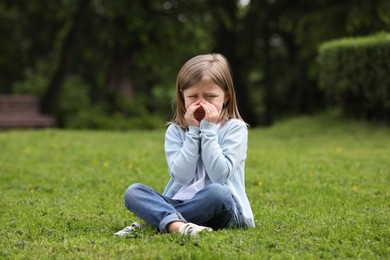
[[207, 67]]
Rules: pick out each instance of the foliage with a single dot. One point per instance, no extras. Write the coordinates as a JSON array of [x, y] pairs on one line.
[[318, 188], [10, 69], [272, 46], [96, 117], [86, 89], [152, 38], [354, 73]]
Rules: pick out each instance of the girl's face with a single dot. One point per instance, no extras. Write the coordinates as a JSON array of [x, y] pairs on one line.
[[207, 92]]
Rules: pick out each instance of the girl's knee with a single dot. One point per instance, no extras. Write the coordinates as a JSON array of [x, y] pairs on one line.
[[135, 187], [220, 193], [218, 188], [132, 192]]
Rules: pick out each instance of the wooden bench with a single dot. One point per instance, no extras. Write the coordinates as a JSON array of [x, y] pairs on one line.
[[22, 112]]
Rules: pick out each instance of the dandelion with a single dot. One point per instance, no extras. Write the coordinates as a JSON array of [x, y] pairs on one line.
[[260, 183], [354, 188], [106, 164]]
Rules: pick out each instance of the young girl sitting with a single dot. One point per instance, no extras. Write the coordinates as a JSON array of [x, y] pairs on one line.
[[205, 147]]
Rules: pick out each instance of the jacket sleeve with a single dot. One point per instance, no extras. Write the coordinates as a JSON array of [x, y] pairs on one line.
[[182, 152], [222, 155]]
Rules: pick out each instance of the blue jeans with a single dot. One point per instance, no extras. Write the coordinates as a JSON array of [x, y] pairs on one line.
[[212, 206]]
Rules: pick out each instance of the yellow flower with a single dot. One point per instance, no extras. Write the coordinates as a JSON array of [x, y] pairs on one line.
[[260, 183], [106, 164], [354, 188]]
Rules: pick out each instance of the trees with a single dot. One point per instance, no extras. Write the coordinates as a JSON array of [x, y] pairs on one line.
[[283, 40], [68, 51], [130, 52]]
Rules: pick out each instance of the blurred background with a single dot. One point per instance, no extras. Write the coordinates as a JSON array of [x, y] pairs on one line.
[[103, 64]]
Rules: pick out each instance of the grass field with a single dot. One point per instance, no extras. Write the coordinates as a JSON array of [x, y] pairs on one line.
[[319, 188]]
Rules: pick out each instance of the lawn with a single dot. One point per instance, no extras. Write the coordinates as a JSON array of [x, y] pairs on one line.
[[318, 186]]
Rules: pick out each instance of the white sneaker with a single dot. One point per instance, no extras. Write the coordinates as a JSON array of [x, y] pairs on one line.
[[193, 229], [130, 230]]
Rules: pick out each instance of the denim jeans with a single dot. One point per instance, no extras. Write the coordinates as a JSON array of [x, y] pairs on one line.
[[213, 206]]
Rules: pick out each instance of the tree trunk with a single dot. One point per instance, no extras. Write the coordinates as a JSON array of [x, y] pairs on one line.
[[119, 82], [69, 47]]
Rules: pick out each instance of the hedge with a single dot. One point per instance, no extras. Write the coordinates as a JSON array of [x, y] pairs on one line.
[[355, 73]]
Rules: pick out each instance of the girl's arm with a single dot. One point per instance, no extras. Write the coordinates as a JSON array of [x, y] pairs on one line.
[[222, 155], [182, 153]]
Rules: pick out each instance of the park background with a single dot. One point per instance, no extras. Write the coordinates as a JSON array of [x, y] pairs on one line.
[[312, 81], [113, 64]]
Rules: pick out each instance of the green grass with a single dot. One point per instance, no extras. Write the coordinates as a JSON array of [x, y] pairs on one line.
[[319, 188]]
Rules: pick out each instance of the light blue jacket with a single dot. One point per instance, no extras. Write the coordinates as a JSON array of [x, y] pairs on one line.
[[223, 152]]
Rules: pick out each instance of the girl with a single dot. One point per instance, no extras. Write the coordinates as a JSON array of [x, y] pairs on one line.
[[205, 147]]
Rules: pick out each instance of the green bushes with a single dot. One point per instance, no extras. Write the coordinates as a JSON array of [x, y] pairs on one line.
[[96, 117], [76, 110], [355, 73]]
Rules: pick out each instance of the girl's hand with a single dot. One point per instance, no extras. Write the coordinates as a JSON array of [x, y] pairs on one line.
[[212, 114], [194, 114]]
